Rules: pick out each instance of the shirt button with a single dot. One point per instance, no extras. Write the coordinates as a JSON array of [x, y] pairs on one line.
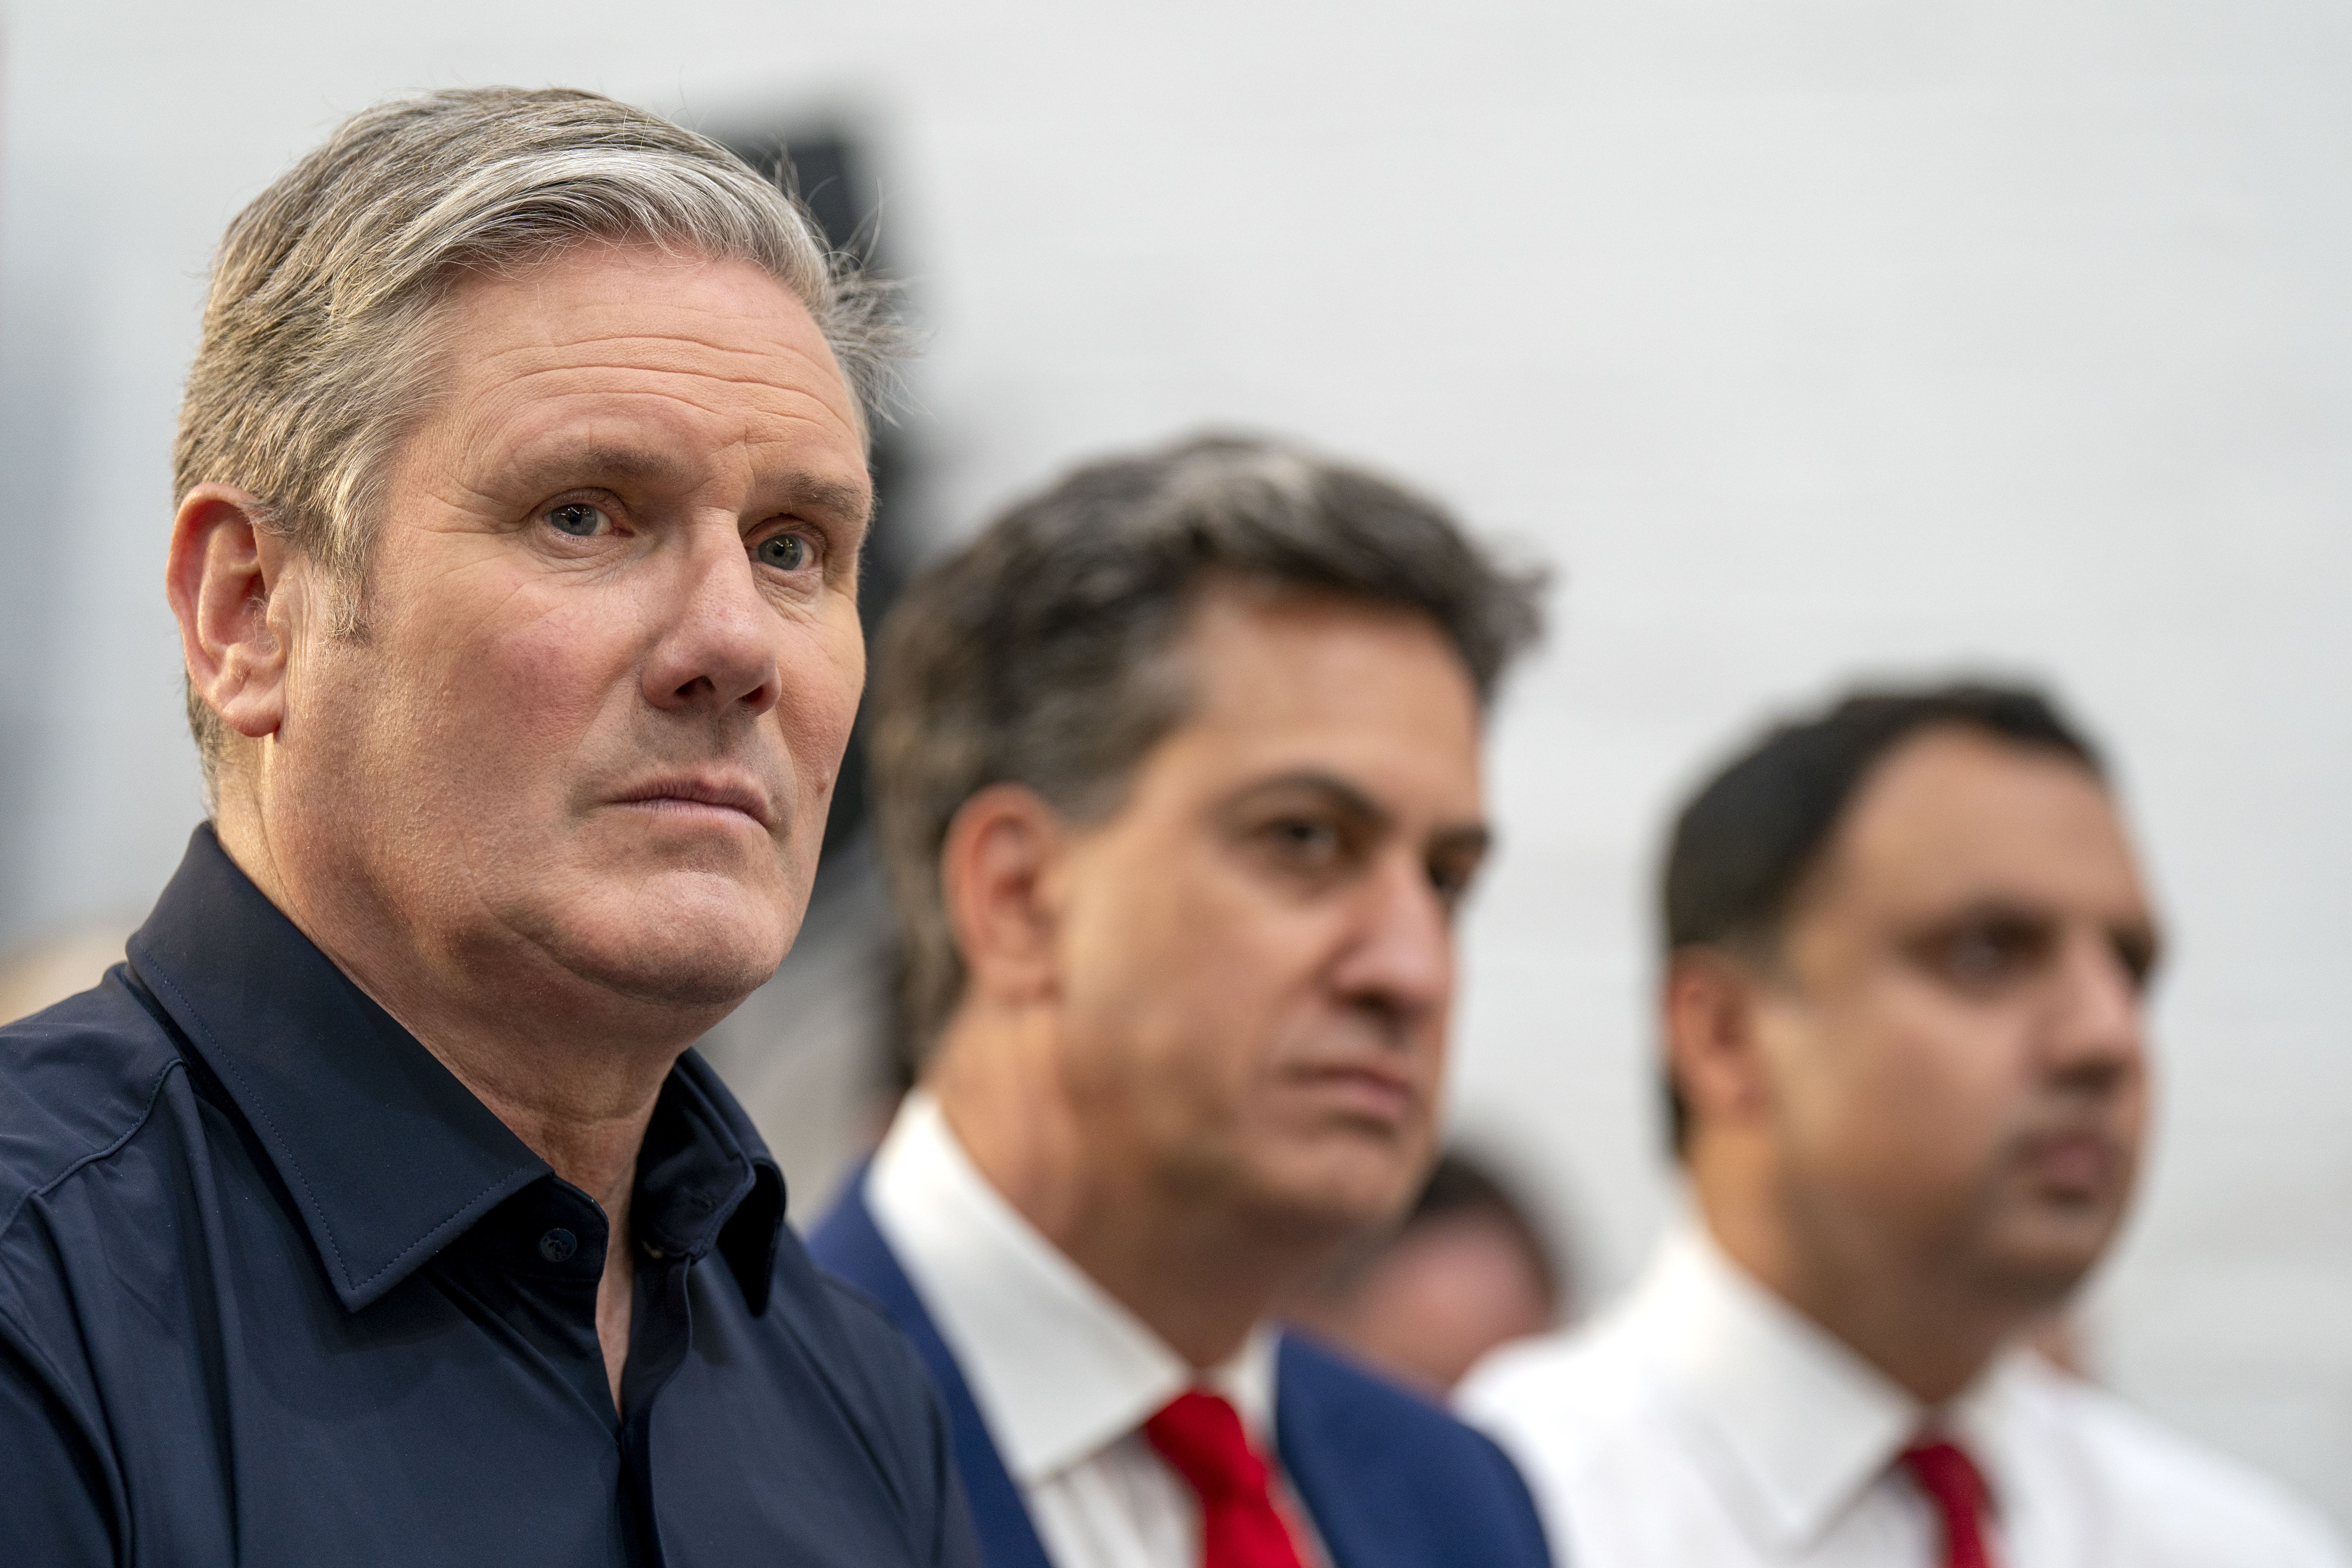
[[558, 1245]]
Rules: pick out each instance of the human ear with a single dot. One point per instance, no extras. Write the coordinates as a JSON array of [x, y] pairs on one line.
[[993, 870], [1713, 1046], [219, 576]]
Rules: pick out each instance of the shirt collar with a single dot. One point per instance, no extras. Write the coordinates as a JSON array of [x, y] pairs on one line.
[[1798, 1423], [1990, 1417], [1061, 1369], [386, 1155]]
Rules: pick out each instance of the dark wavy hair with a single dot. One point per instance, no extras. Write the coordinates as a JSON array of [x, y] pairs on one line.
[[1042, 652]]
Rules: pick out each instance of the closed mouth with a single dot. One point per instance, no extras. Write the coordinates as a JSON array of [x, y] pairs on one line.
[[2073, 1163], [702, 795], [1377, 1090]]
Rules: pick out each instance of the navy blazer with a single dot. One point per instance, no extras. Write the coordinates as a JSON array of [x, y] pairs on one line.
[[1391, 1481]]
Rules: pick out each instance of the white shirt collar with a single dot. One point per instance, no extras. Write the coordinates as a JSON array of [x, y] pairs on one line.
[[1986, 1420], [1801, 1424], [1060, 1370]]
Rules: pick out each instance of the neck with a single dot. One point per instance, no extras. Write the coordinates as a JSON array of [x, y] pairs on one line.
[[1199, 1273], [1923, 1322], [573, 1076]]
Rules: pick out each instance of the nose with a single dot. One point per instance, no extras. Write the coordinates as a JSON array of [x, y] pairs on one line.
[[2098, 1024], [1399, 966], [715, 651]]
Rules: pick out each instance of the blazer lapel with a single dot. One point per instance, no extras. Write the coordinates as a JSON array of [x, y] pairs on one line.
[[1356, 1515], [849, 1244]]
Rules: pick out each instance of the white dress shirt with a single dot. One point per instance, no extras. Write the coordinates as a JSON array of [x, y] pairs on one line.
[[1064, 1375], [1705, 1421]]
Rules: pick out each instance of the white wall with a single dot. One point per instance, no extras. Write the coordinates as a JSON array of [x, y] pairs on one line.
[[1808, 336]]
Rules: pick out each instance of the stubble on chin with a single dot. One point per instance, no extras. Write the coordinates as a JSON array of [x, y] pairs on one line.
[[691, 956], [2035, 1248]]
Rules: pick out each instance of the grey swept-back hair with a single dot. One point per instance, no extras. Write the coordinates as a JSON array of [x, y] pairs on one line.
[[318, 351], [1043, 653]]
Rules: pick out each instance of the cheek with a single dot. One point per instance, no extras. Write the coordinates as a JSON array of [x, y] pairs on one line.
[[2135, 1105], [491, 656], [1957, 1084], [1171, 989], [558, 663], [1188, 981], [1915, 1093], [538, 676], [822, 666]]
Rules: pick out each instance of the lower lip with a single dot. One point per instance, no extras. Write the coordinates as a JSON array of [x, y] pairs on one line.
[[2073, 1165], [695, 811], [1364, 1094]]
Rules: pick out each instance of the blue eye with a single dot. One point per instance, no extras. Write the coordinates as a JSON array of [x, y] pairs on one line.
[[578, 518], [785, 552]]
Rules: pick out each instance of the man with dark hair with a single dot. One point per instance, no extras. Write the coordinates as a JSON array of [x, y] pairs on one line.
[[1908, 949], [1179, 791]]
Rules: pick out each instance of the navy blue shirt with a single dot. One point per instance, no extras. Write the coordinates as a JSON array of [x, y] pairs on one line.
[[276, 1289]]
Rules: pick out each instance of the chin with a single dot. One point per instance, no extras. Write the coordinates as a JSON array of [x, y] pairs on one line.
[[2044, 1257], [699, 947], [1345, 1183]]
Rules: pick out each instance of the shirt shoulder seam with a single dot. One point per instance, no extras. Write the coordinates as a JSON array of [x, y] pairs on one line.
[[92, 1156]]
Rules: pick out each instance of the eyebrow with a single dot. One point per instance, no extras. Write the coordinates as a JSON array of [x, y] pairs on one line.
[[1469, 837], [576, 464], [1349, 798], [2143, 933], [851, 504]]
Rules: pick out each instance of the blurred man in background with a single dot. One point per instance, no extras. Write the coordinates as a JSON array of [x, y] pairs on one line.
[[375, 1210], [1465, 1274], [1907, 952], [1179, 792]]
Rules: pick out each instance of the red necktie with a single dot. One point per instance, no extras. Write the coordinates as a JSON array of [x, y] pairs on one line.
[[1953, 1483], [1200, 1437]]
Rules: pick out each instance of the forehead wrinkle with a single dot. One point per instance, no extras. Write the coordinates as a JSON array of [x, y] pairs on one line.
[[775, 334], [543, 452], [543, 339], [556, 308], [640, 367], [565, 401], [513, 383], [796, 337]]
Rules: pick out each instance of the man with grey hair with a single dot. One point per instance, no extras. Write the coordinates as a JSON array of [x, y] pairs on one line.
[[375, 1210], [1178, 792]]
